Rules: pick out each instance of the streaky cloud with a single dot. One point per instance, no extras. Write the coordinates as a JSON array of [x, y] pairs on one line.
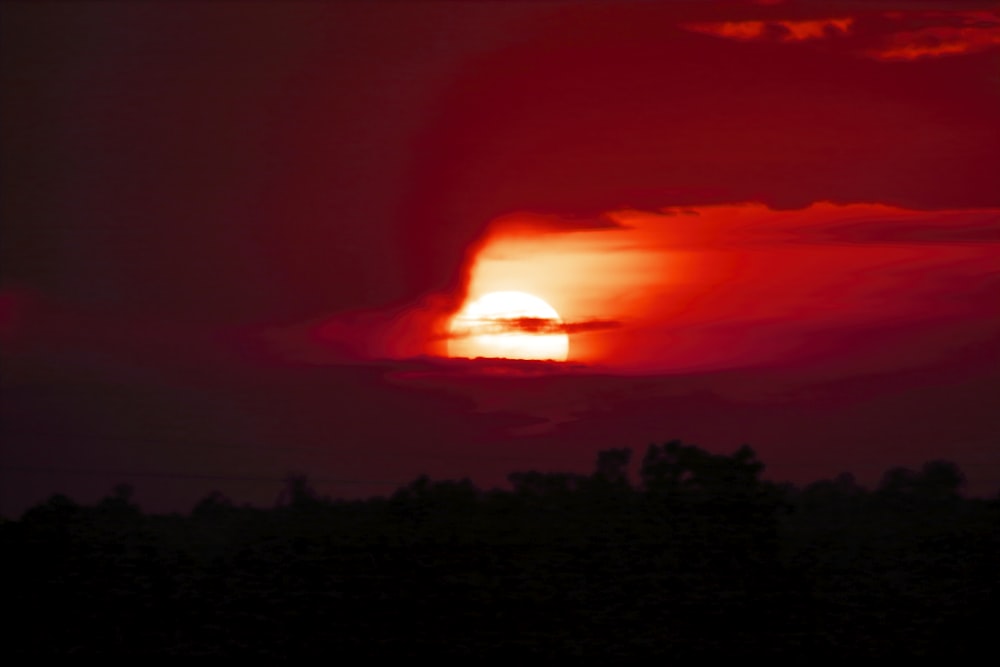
[[540, 326], [775, 30], [949, 34]]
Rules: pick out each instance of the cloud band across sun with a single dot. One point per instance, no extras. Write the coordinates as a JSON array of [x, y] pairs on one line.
[[541, 326]]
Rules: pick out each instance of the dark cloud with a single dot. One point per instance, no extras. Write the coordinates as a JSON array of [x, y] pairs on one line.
[[590, 325], [541, 326]]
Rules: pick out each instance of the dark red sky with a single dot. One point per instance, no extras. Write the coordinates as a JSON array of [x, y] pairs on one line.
[[233, 234]]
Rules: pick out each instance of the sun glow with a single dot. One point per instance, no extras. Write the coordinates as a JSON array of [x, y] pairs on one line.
[[508, 325], [681, 288]]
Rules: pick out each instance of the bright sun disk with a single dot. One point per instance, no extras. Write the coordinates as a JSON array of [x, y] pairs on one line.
[[508, 325]]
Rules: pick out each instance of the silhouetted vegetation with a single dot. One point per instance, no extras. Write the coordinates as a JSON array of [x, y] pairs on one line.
[[697, 557]]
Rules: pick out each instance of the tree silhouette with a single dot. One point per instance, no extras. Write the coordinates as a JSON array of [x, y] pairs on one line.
[[940, 480], [297, 493], [701, 558], [612, 465]]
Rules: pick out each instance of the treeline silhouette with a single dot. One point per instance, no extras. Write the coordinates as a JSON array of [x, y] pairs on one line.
[[696, 557]]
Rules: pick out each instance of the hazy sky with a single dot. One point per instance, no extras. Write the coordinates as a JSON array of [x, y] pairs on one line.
[[234, 234]]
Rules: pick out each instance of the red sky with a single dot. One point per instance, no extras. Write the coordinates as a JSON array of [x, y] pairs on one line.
[[234, 234]]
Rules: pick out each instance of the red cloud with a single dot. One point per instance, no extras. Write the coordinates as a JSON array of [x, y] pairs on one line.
[[938, 41], [784, 31], [908, 36]]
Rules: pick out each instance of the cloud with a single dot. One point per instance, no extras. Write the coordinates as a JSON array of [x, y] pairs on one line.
[[930, 228], [938, 41], [921, 35], [821, 223], [826, 223], [776, 30], [900, 36], [541, 326], [590, 325]]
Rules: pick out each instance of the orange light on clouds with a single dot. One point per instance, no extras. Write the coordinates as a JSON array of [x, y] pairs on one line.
[[592, 278], [718, 286]]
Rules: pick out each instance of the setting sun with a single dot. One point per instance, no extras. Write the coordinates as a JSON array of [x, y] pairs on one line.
[[508, 325]]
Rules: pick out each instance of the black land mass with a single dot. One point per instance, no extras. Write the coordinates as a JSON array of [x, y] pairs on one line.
[[698, 557]]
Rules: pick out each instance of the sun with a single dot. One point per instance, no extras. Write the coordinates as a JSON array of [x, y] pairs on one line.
[[508, 325]]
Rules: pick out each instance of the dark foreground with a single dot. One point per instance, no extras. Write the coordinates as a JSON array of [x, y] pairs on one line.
[[698, 558]]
